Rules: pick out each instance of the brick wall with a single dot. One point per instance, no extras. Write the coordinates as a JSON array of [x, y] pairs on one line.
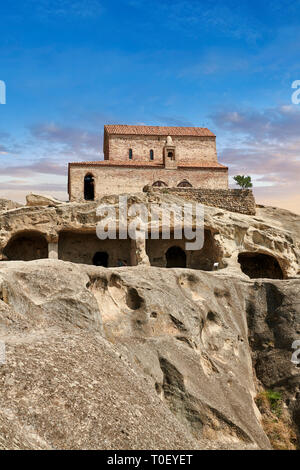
[[188, 149], [234, 200], [118, 180]]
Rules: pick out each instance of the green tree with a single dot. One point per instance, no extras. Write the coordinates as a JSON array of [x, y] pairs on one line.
[[243, 181]]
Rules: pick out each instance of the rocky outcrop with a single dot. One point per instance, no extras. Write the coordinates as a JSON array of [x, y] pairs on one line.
[[41, 200], [144, 357], [273, 316], [7, 204], [132, 357], [269, 232]]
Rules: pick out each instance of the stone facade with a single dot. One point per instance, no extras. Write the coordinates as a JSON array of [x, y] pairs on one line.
[[120, 179], [188, 149], [136, 156]]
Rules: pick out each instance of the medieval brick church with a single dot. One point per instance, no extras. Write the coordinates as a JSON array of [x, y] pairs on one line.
[[136, 156]]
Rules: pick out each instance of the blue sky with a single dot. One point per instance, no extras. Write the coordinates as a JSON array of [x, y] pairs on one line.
[[72, 66]]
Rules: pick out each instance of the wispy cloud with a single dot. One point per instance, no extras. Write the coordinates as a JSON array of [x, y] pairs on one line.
[[42, 166], [278, 124], [43, 157], [267, 146], [71, 141]]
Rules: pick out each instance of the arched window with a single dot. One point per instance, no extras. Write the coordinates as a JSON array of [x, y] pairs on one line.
[[159, 184], [130, 154], [171, 155], [151, 155], [184, 184], [89, 187]]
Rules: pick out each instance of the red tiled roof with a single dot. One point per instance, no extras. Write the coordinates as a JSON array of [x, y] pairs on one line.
[[138, 164], [157, 130]]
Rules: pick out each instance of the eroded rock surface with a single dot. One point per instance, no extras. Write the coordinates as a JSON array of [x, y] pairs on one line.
[[138, 357], [144, 357], [229, 234], [7, 204]]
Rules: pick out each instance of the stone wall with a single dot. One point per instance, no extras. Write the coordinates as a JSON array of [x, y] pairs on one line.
[[118, 180], [234, 200], [188, 149]]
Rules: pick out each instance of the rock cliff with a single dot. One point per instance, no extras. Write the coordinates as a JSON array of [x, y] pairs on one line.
[[144, 357]]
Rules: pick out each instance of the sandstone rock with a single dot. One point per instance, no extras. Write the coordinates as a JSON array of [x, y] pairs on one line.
[[41, 200], [144, 357], [6, 205], [232, 233], [125, 358]]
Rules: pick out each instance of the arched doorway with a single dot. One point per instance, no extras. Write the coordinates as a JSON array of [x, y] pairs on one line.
[[26, 246], [176, 257], [260, 265], [100, 259], [89, 187]]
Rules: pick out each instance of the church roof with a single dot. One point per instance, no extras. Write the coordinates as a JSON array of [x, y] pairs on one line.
[[136, 164], [124, 129]]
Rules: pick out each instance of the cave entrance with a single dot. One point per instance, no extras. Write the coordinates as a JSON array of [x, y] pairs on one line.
[[84, 248], [260, 265], [26, 246], [203, 259], [176, 257], [100, 259]]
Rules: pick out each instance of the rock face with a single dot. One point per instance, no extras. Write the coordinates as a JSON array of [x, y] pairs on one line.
[[145, 357], [129, 358], [6, 205], [40, 200], [273, 315], [270, 233]]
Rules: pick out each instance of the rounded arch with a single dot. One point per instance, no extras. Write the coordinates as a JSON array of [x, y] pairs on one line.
[[184, 184], [26, 245], [159, 183], [176, 257], [260, 265], [151, 153], [89, 187]]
